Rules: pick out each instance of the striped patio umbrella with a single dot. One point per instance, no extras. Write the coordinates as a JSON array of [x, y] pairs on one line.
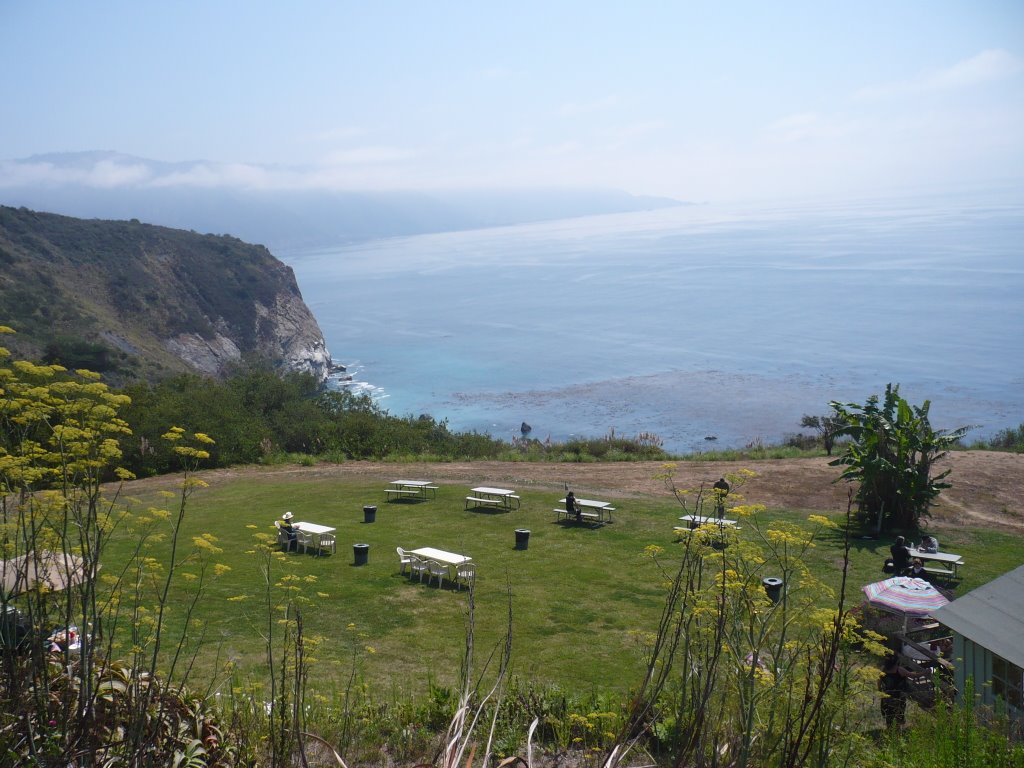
[[905, 597]]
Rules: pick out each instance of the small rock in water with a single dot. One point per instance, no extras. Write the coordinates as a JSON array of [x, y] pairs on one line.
[[525, 428]]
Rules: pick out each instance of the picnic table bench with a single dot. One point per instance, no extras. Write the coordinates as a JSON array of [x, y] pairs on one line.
[[591, 510], [481, 501], [948, 573], [943, 564], [596, 516], [934, 673], [702, 525], [411, 489], [693, 522], [923, 654], [683, 530], [485, 496]]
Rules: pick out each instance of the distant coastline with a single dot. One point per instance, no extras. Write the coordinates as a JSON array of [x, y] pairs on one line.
[[153, 192], [686, 322]]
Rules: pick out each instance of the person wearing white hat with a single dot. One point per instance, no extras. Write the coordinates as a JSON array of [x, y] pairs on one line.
[[285, 524]]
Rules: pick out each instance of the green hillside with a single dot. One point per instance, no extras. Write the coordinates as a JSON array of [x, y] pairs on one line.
[[107, 295]]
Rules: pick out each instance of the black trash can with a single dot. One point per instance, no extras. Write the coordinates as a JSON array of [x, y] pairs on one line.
[[773, 587], [361, 553], [522, 538], [369, 514]]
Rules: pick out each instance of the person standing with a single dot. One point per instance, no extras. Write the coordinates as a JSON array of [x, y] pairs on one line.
[[895, 688], [721, 490]]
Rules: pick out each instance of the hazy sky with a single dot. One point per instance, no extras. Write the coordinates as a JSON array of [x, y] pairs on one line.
[[700, 101]]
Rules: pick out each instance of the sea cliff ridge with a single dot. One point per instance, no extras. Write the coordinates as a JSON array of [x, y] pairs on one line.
[[138, 301]]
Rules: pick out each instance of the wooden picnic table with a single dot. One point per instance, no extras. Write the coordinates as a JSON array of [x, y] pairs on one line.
[[922, 654]]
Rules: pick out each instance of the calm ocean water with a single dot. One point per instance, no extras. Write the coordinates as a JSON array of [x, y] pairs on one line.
[[687, 322]]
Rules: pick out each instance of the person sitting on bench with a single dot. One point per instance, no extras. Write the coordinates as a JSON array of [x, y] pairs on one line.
[[900, 556], [917, 570], [572, 507], [929, 544]]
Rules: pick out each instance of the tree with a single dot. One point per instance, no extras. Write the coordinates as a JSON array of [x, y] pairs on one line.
[[736, 677], [59, 434], [891, 453], [826, 426]]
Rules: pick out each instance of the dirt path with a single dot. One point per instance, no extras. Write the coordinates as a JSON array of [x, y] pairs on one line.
[[988, 487]]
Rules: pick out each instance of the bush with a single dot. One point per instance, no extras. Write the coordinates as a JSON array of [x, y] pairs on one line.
[[1009, 439], [801, 441]]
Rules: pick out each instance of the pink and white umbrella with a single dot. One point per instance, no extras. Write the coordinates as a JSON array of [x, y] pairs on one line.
[[905, 597]]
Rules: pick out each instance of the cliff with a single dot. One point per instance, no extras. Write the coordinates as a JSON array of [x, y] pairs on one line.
[[133, 300]]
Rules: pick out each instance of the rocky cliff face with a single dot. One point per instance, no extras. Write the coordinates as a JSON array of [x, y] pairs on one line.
[[137, 301], [286, 334]]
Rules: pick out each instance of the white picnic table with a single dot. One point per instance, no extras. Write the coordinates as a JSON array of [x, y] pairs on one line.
[[315, 529], [451, 559], [448, 558], [412, 489], [946, 558], [696, 521], [485, 496], [600, 509]]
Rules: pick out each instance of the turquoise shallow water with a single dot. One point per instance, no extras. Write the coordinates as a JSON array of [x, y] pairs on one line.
[[687, 322]]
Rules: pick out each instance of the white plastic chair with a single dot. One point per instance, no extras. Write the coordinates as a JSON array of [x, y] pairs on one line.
[[328, 541], [282, 535], [305, 540], [417, 566], [465, 574], [404, 559], [436, 569]]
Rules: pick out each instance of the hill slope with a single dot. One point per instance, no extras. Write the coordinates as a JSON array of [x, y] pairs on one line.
[[132, 300]]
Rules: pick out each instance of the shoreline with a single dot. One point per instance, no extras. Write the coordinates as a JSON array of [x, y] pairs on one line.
[[682, 408]]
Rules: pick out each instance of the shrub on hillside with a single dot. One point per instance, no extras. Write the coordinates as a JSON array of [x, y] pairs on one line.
[[1009, 439]]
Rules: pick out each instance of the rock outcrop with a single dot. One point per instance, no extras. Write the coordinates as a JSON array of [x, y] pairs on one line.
[[137, 301]]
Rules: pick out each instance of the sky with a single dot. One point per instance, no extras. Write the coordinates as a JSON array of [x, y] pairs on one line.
[[704, 101]]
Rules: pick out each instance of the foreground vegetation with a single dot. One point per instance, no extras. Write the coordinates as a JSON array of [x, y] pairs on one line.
[[259, 417], [202, 644], [1009, 439]]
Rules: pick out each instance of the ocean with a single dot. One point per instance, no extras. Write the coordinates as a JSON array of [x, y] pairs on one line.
[[709, 326]]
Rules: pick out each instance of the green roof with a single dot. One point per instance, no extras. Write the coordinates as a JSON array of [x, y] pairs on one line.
[[991, 616]]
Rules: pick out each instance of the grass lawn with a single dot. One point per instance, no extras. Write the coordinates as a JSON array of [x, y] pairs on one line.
[[578, 593]]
